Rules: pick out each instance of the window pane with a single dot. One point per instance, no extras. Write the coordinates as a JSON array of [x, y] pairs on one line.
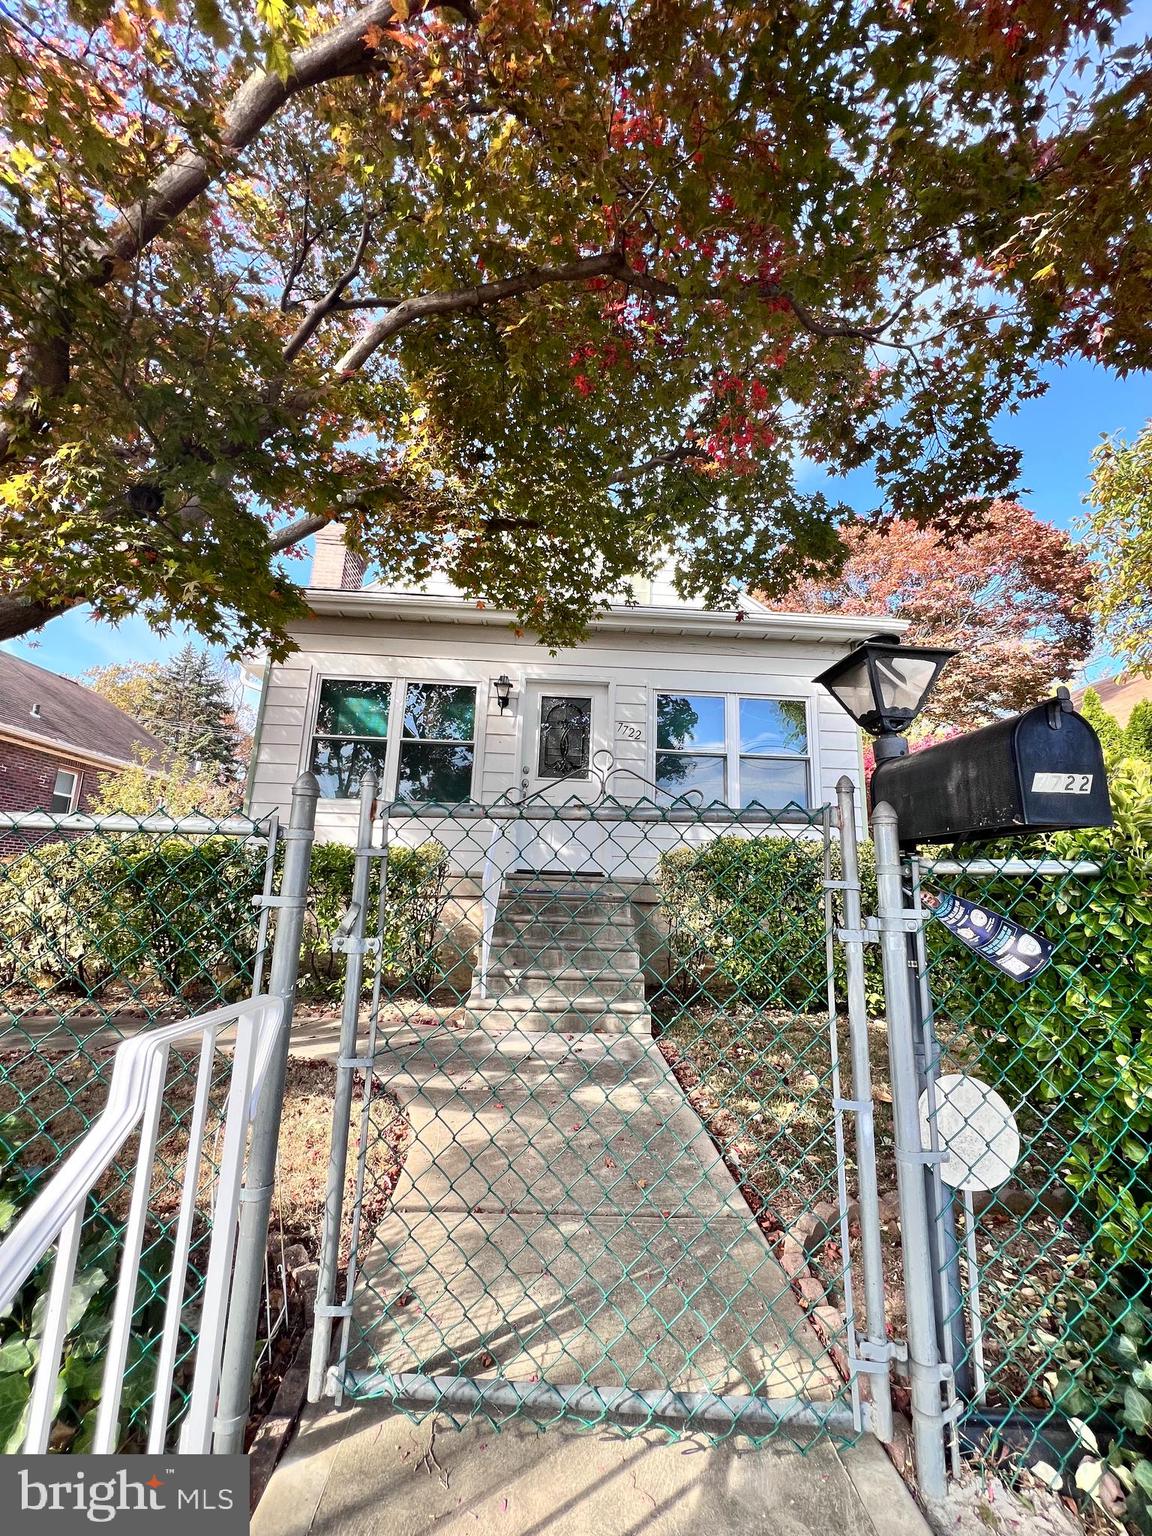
[[62, 792], [340, 765], [440, 711], [678, 772], [442, 774], [773, 725], [565, 738], [353, 709], [689, 720], [773, 783]]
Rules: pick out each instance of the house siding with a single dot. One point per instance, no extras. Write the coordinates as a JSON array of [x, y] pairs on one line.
[[633, 666]]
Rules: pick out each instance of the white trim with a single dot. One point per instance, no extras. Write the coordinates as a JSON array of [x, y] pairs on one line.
[[837, 629]]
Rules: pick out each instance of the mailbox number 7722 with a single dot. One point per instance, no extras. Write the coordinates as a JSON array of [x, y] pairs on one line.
[[1061, 783]]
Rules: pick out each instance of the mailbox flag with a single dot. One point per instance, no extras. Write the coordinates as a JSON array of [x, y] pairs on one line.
[[997, 939]]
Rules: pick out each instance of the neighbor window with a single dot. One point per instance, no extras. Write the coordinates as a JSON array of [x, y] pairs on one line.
[[64, 792], [733, 748], [419, 739]]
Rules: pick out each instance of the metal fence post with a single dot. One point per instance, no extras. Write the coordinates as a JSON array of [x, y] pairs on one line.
[[355, 947], [924, 1365], [256, 1198], [868, 1187]]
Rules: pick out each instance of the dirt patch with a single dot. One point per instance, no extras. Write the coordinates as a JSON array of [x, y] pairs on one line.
[[762, 1082]]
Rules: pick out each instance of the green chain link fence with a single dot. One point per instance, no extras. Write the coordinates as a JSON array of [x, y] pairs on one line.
[[108, 925], [612, 1046], [1057, 1364]]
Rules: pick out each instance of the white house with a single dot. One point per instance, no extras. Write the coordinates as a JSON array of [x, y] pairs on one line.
[[605, 750], [440, 698]]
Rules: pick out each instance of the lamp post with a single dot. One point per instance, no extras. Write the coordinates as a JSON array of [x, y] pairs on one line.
[[884, 685]]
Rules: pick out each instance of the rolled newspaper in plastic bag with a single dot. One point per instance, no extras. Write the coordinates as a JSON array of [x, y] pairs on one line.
[[997, 939]]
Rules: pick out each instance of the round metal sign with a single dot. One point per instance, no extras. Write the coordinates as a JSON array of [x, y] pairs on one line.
[[975, 1128]]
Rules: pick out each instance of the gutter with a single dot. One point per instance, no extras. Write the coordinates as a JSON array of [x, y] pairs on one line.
[[762, 625]]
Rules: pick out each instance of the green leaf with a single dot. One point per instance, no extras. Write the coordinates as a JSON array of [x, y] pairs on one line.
[[15, 1355], [85, 1286], [1137, 1411], [15, 1392]]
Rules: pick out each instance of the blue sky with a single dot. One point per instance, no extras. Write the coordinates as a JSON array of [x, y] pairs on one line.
[[1056, 434]]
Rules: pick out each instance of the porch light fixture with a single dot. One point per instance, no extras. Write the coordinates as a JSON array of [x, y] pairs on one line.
[[503, 687], [883, 685]]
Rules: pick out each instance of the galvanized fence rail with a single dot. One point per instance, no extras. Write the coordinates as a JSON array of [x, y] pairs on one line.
[[1041, 1282]]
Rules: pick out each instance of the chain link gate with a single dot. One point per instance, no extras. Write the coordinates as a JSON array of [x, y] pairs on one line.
[[633, 1183]]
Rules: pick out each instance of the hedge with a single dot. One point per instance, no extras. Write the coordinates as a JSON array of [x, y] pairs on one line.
[[746, 918], [178, 914]]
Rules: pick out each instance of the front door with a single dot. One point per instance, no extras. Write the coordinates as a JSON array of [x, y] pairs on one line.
[[565, 725]]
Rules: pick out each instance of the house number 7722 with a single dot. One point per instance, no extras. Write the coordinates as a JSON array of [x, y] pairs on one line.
[[629, 732]]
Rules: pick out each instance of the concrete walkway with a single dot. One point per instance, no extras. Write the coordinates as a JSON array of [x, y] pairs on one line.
[[563, 1217]]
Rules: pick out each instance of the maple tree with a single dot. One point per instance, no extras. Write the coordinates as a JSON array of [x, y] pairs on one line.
[[1120, 537], [1014, 597], [534, 292]]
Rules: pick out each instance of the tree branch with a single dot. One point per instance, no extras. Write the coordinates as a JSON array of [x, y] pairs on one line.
[[605, 264], [335, 55], [324, 307]]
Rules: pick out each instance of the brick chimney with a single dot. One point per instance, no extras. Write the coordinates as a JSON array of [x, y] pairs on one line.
[[334, 565]]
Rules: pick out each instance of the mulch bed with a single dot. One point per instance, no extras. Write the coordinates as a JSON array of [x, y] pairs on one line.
[[761, 1083]]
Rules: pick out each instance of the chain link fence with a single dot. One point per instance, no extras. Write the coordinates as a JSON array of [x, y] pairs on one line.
[[1045, 1293], [109, 925]]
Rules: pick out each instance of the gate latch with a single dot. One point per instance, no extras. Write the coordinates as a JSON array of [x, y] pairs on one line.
[[343, 942], [871, 1359]]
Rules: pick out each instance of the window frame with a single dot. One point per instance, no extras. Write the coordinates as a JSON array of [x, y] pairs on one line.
[[732, 755], [394, 740], [73, 795]]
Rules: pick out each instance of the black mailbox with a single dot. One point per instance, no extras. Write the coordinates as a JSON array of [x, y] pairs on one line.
[[1035, 772]]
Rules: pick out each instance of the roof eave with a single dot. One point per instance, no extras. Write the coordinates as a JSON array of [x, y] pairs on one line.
[[54, 746], [818, 628]]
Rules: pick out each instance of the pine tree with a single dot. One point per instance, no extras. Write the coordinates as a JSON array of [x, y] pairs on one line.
[[192, 712]]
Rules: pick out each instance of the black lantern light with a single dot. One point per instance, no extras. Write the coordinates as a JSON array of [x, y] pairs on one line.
[[503, 687], [883, 685]]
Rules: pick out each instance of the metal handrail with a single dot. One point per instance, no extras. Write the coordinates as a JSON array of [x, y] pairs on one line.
[[56, 1217]]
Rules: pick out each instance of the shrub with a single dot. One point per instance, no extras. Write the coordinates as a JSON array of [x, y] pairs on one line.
[[746, 916], [1103, 1382], [416, 893], [171, 911], [1079, 1036]]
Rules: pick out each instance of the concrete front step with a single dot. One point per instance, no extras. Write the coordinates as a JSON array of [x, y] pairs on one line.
[[563, 957], [584, 959], [585, 964], [565, 987], [561, 1015]]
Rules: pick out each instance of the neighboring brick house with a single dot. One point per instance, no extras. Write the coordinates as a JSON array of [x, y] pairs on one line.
[[59, 741]]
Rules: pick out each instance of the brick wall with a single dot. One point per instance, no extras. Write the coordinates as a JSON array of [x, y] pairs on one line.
[[27, 777]]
